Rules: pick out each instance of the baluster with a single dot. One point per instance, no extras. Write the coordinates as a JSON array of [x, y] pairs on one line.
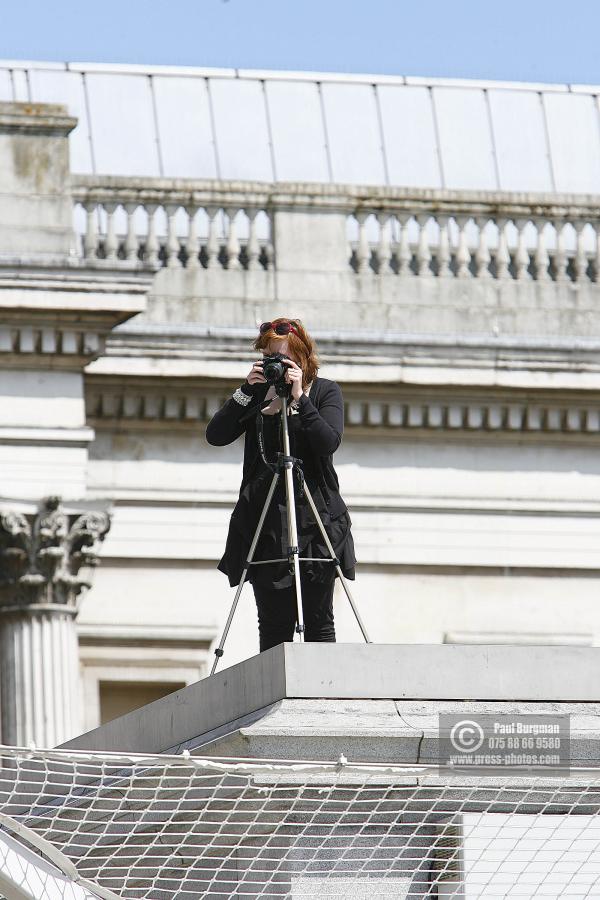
[[561, 253], [522, 254], [270, 254], [131, 241], [212, 244], [482, 256], [404, 251], [463, 256], [252, 248], [384, 250], [502, 254], [90, 241], [193, 240], [152, 246], [423, 251], [110, 243], [269, 249], [596, 265], [172, 247], [233, 244], [363, 252], [542, 259], [444, 270], [581, 261]]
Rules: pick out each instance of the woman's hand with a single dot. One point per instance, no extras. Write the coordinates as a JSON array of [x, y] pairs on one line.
[[293, 376], [255, 375]]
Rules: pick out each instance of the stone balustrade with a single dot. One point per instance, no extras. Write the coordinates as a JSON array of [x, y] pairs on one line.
[[477, 241], [390, 259], [381, 231], [172, 224]]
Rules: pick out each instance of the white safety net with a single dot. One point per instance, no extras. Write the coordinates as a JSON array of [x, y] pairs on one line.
[[166, 827]]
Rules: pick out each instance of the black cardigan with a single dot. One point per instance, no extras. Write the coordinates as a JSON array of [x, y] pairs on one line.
[[322, 425]]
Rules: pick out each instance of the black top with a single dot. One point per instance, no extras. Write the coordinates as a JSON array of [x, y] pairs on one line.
[[315, 433]]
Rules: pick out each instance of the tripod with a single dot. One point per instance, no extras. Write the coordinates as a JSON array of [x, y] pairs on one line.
[[286, 462]]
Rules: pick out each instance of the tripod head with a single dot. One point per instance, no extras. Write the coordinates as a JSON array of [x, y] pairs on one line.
[[283, 389]]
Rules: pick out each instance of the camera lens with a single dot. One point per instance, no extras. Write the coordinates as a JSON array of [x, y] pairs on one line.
[[273, 370]]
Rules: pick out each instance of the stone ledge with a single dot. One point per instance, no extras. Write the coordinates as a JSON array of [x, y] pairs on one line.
[[324, 194], [377, 731], [252, 689]]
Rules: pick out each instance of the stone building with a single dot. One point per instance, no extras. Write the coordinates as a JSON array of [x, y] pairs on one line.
[[439, 239]]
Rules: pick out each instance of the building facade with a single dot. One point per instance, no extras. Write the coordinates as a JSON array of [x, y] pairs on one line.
[[441, 242]]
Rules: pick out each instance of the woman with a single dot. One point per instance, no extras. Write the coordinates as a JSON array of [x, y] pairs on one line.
[[315, 424]]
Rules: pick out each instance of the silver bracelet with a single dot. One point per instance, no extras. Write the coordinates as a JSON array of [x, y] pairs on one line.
[[240, 397]]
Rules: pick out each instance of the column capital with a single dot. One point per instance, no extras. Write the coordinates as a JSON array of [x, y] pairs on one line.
[[46, 558]]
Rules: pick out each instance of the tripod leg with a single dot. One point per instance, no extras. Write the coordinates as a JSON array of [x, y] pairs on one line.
[[291, 518], [333, 556], [219, 650]]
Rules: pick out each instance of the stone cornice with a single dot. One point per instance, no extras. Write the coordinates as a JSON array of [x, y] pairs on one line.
[[142, 349], [79, 437], [27, 341], [187, 403], [137, 635], [147, 332], [64, 314], [416, 369], [41, 118], [74, 285]]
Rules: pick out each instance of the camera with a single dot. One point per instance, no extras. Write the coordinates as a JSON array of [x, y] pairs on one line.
[[274, 369]]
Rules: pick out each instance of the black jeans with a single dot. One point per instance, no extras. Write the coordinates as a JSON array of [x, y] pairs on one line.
[[277, 613]]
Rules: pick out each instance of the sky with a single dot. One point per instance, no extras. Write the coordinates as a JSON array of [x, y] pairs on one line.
[[514, 40]]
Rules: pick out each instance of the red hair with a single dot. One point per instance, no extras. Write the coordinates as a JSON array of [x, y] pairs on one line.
[[300, 344]]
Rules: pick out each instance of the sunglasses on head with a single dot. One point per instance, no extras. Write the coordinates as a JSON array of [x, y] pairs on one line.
[[279, 328]]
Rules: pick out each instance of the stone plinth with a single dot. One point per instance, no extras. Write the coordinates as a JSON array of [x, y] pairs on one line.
[[371, 702]]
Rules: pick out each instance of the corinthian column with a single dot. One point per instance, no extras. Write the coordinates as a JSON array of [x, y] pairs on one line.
[[45, 565]]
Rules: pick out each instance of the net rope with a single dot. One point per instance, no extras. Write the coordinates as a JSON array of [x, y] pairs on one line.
[[185, 827]]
